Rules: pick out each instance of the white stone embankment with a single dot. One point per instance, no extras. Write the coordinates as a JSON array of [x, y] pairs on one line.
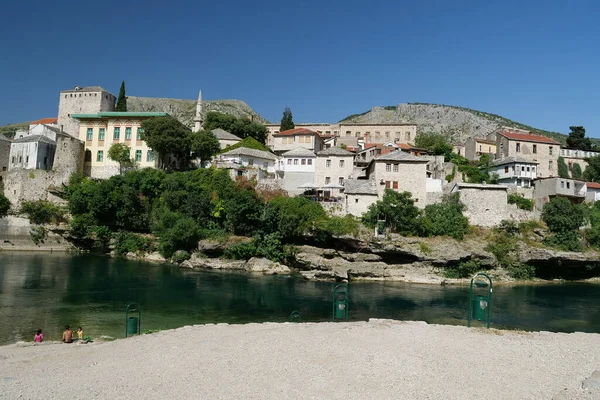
[[379, 359]]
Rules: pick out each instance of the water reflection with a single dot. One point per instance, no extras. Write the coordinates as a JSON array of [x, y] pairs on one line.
[[50, 290]]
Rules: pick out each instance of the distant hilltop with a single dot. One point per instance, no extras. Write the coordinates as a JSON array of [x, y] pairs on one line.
[[458, 123]]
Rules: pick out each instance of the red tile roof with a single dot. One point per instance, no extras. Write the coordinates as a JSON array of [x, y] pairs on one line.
[[46, 121], [593, 185], [528, 137], [296, 131]]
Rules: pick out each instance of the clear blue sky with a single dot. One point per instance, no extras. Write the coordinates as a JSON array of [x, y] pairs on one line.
[[533, 61]]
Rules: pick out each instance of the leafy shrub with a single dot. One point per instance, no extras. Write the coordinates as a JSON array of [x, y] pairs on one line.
[[127, 242], [4, 205], [520, 201], [180, 256], [425, 249], [82, 225], [463, 269], [102, 236], [564, 219], [398, 210], [38, 234], [183, 234], [445, 219], [529, 226], [43, 212], [567, 241], [266, 246], [338, 226], [521, 271], [508, 227]]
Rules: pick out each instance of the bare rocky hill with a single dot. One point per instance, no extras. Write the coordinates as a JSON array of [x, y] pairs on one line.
[[457, 123], [184, 110]]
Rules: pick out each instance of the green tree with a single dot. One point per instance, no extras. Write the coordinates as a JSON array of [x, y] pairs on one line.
[[121, 153], [122, 99], [445, 218], [204, 145], [576, 172], [4, 205], [287, 121], [171, 139], [437, 143], [292, 217], [241, 127], [577, 139], [563, 169], [43, 212], [397, 210], [592, 171], [564, 219]]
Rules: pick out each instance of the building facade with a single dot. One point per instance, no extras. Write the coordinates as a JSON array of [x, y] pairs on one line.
[[225, 138], [485, 205], [333, 167], [4, 152], [515, 171], [297, 137], [82, 100], [101, 130], [249, 163], [511, 142], [548, 188], [298, 169], [476, 147]]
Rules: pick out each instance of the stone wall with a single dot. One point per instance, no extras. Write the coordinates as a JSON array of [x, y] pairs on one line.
[[334, 171], [291, 180], [15, 235], [29, 185], [545, 154], [411, 177], [358, 204], [81, 102], [4, 153], [484, 207]]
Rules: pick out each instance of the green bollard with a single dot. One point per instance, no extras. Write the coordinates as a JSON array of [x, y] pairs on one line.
[[341, 300], [480, 306], [133, 324]]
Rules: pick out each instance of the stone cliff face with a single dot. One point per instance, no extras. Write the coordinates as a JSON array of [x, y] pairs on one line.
[[184, 110], [457, 122]]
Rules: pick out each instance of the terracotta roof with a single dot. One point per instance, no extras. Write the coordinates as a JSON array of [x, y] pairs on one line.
[[296, 131], [528, 137], [593, 185], [45, 121]]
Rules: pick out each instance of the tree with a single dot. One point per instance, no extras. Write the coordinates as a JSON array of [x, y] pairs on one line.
[[563, 170], [204, 145], [577, 139], [287, 121], [397, 209], [445, 218], [564, 219], [4, 205], [241, 127], [437, 143], [120, 152], [122, 99], [171, 139], [576, 172], [592, 171]]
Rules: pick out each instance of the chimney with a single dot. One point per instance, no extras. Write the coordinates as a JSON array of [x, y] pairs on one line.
[[366, 138]]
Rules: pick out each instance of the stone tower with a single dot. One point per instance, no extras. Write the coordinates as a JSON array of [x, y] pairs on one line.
[[198, 120], [82, 100]]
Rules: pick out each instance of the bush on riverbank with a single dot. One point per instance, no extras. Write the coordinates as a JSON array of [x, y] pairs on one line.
[[564, 220], [42, 212], [4, 205]]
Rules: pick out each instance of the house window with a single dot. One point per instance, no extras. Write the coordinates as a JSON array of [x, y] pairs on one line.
[[128, 133], [251, 161], [506, 169], [489, 149], [356, 200], [310, 161], [13, 160], [327, 180], [20, 159], [88, 156], [388, 167], [341, 163], [328, 163], [303, 161], [289, 161], [395, 185], [117, 134], [26, 159], [407, 136], [100, 156], [348, 133], [138, 156], [101, 134], [532, 169], [395, 167], [518, 147], [550, 150], [90, 133], [534, 149], [387, 184], [139, 133], [387, 135], [341, 180], [527, 169], [550, 165], [295, 161], [522, 169], [480, 148], [150, 156]]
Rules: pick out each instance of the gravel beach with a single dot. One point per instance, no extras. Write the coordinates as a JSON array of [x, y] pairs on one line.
[[378, 359]]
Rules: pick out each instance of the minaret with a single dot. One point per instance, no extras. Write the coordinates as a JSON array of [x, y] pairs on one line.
[[198, 118]]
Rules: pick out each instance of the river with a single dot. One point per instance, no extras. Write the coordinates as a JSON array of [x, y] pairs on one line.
[[48, 291]]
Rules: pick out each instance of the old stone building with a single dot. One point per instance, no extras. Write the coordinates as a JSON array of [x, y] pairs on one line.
[[4, 152], [476, 147], [298, 169], [549, 188], [359, 195], [401, 172], [576, 156], [225, 138], [486, 205], [334, 166], [297, 137], [100, 131], [82, 100], [249, 163], [512, 142], [515, 171]]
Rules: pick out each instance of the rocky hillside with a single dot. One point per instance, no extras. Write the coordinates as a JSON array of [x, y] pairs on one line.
[[184, 110], [458, 123], [9, 130]]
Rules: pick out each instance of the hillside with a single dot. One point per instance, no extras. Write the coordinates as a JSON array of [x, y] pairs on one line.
[[458, 123], [183, 110]]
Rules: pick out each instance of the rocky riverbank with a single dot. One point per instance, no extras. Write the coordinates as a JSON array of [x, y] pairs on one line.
[[378, 359]]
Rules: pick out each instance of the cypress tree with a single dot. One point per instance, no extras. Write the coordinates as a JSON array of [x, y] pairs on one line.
[[287, 121], [122, 100]]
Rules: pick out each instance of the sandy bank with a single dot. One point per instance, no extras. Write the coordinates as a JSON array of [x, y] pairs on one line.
[[360, 360]]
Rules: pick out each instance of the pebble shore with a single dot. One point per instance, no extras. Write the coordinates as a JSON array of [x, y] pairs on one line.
[[378, 359]]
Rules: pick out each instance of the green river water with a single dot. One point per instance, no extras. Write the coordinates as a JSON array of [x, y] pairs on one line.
[[47, 291]]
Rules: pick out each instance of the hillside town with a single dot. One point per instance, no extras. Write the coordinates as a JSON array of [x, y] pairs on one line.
[[344, 166]]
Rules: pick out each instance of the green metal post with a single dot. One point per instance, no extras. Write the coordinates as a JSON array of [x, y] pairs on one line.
[[480, 307], [341, 300], [133, 325]]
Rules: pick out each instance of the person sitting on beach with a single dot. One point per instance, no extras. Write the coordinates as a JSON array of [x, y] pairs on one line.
[[67, 335], [39, 336], [79, 333]]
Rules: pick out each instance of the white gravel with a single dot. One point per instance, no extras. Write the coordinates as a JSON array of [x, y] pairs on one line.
[[379, 359]]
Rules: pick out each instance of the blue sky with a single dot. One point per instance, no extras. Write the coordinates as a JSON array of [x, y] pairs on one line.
[[536, 62]]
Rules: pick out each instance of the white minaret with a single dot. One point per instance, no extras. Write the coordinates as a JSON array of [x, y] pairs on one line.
[[198, 118]]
